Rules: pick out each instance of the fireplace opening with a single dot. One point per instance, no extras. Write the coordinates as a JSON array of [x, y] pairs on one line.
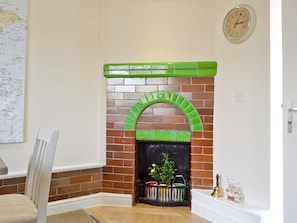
[[176, 194]]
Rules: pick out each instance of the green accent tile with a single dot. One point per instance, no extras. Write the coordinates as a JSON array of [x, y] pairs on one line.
[[186, 65], [172, 136], [149, 98], [129, 126], [161, 66], [190, 108], [159, 69], [185, 104], [119, 72], [207, 65], [166, 135], [145, 134], [179, 101], [195, 121], [186, 73], [143, 100], [140, 72], [161, 96], [132, 115], [174, 97], [140, 66], [138, 135], [163, 135], [157, 97], [167, 96], [187, 137], [160, 73], [191, 115], [116, 67], [197, 127], [158, 135]]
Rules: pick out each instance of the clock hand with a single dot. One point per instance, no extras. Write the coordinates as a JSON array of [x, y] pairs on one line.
[[240, 22], [236, 23]]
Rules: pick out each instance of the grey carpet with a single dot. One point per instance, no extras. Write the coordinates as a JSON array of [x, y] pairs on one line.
[[79, 216]]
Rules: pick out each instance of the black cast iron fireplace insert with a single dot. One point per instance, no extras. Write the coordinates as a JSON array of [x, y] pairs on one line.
[[176, 194]]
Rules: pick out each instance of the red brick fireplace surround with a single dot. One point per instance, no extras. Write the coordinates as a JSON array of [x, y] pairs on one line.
[[147, 101], [158, 101]]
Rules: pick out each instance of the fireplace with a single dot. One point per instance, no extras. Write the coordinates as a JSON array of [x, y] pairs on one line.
[[169, 103], [150, 152]]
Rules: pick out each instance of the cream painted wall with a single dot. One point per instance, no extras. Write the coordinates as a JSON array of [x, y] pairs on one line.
[[166, 30], [62, 84], [65, 86], [191, 30], [242, 128]]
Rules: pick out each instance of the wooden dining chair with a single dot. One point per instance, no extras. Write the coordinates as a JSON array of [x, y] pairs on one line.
[[32, 205]]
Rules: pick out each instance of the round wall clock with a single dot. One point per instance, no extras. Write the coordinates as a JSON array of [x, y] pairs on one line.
[[239, 23]]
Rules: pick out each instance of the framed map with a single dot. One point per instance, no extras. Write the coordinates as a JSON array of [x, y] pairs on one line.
[[13, 32]]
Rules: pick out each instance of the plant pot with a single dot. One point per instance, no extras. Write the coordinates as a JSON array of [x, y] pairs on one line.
[[164, 192], [151, 190], [178, 189]]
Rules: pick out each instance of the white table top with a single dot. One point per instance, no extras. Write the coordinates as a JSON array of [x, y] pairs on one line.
[[3, 168]]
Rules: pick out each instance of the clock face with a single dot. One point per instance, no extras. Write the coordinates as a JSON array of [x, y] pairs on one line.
[[239, 24]]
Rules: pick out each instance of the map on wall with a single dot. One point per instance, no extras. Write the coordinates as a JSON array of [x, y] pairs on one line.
[[13, 32]]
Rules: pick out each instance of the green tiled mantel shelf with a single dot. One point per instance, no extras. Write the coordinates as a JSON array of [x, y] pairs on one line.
[[159, 69]]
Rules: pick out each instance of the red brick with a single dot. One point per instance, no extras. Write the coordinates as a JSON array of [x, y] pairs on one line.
[[208, 135], [197, 165], [197, 135], [125, 170], [97, 177], [202, 142], [124, 155], [60, 182], [124, 140], [90, 185], [59, 197], [114, 177], [202, 80], [91, 171], [8, 189], [179, 80], [115, 133], [209, 87], [123, 185], [129, 133], [69, 174], [113, 147], [80, 179], [68, 189], [14, 181], [208, 95], [113, 162], [129, 148], [80, 193], [208, 151], [192, 88], [107, 184]]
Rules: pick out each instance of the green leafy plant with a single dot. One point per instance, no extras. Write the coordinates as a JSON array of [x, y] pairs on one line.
[[164, 173]]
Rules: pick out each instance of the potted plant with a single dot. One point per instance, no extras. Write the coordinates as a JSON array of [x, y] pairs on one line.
[[165, 173]]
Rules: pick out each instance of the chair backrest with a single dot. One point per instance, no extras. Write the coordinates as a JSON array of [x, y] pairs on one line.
[[40, 170]]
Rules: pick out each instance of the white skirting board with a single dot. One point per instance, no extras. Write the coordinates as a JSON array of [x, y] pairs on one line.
[[220, 210], [99, 199]]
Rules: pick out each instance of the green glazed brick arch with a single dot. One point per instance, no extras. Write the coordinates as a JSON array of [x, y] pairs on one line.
[[163, 97]]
